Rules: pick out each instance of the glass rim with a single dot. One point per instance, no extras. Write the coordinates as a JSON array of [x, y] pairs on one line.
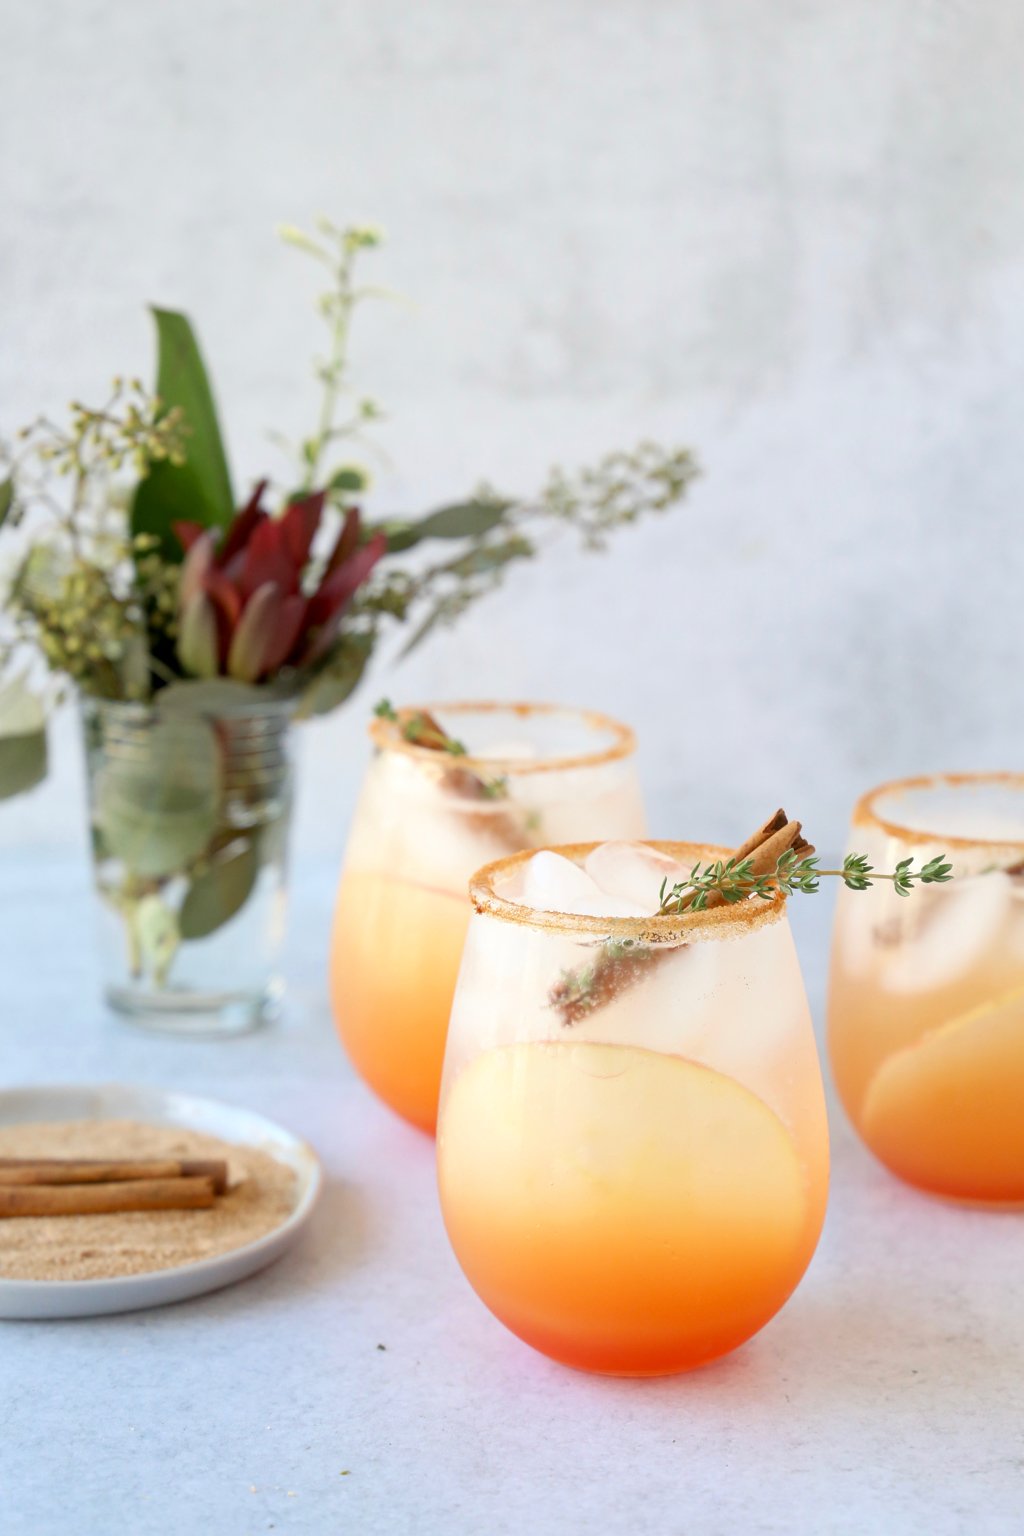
[[386, 735], [865, 812], [144, 711], [672, 928]]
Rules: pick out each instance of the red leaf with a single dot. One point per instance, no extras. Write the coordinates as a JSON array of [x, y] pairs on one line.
[[346, 541], [341, 584], [196, 565], [290, 624], [254, 634], [244, 525], [198, 648], [300, 523], [335, 592], [267, 559], [227, 603], [187, 533]]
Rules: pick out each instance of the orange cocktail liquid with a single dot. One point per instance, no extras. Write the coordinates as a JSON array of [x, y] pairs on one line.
[[933, 1078], [395, 953], [622, 1210]]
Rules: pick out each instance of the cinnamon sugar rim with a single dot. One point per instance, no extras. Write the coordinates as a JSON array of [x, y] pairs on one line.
[[673, 928], [865, 813], [387, 735]]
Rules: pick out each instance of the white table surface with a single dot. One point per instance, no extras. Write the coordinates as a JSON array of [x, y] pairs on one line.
[[888, 1396]]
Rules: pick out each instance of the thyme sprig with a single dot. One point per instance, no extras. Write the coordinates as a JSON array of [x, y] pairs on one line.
[[737, 880], [417, 727]]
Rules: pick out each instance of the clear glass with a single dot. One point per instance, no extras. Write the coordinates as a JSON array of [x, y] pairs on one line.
[[189, 816], [419, 833], [635, 1189], [926, 997]]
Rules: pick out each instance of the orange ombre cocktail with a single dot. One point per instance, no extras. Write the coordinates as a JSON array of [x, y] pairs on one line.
[[926, 1003], [429, 815], [632, 1144]]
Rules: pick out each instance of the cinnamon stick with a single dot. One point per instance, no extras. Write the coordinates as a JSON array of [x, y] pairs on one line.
[[764, 850], [187, 1194], [578, 996], [67, 1170], [464, 783]]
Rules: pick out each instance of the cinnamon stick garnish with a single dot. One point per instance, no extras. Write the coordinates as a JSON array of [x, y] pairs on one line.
[[187, 1194], [67, 1170], [764, 849], [577, 997]]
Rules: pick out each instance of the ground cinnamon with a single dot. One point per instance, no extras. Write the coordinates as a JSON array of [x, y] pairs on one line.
[[260, 1196]]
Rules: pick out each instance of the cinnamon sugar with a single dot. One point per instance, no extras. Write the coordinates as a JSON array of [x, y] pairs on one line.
[[260, 1196]]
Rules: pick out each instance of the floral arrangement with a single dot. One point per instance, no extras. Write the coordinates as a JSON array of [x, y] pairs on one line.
[[135, 572], [135, 575]]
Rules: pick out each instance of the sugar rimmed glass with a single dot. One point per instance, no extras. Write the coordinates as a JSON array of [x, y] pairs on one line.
[[636, 1189], [926, 994], [420, 831]]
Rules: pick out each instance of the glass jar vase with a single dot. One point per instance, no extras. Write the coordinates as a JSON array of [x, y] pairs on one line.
[[189, 811]]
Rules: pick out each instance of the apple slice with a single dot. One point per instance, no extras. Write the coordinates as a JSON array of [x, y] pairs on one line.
[[947, 1113]]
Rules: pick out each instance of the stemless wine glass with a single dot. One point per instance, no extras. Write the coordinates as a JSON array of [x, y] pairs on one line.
[[926, 998], [533, 774], [632, 1143]]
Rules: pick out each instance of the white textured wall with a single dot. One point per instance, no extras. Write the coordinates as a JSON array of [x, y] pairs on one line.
[[789, 234]]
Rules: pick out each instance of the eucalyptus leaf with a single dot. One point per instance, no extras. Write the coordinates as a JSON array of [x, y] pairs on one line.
[[22, 763], [157, 809], [332, 684], [198, 491], [212, 696], [461, 520], [22, 738], [349, 478], [221, 890], [6, 498]]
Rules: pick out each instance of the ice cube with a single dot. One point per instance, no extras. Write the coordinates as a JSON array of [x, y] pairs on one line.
[[549, 882], [956, 928], [633, 872]]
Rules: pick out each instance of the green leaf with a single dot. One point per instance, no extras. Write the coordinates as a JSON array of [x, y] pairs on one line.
[[337, 678], [22, 763], [349, 478], [212, 696], [462, 520], [6, 498], [198, 491], [157, 811], [22, 738], [221, 890]]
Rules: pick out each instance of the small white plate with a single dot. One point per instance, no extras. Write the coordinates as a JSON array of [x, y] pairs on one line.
[[129, 1293]]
